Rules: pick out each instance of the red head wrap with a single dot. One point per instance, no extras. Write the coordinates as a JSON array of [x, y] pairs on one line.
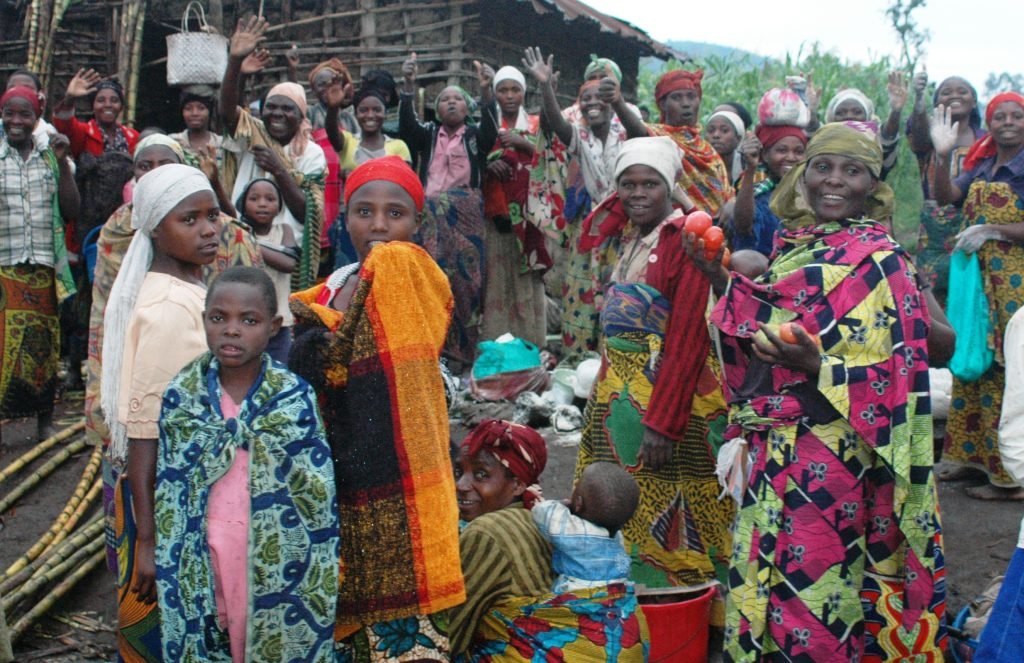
[[769, 135], [22, 92], [390, 169], [986, 147], [678, 79], [519, 448]]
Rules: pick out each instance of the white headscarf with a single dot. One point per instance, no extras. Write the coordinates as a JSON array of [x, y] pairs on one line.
[[510, 73], [731, 118], [658, 152], [156, 194], [855, 95]]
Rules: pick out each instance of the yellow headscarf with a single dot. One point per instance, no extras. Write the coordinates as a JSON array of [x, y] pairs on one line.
[[855, 140]]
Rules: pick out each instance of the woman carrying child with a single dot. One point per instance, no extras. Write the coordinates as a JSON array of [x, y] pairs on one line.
[[510, 613], [245, 503], [152, 328], [451, 156], [369, 340]]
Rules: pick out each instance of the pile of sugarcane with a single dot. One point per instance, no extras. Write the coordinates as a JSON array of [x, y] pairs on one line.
[[43, 20], [129, 53], [69, 550]]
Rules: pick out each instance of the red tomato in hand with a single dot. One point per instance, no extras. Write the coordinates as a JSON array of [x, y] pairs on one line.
[[713, 238], [726, 258], [697, 223], [786, 333]]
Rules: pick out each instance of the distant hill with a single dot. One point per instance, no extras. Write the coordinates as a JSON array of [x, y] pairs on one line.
[[700, 49]]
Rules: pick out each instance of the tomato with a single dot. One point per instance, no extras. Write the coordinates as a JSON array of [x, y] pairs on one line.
[[786, 333], [697, 223], [713, 239], [726, 258]]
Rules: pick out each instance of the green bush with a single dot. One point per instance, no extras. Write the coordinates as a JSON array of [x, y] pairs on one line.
[[739, 79]]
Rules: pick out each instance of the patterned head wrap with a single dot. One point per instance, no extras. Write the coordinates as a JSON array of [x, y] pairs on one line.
[[391, 169], [335, 65], [23, 92], [847, 95], [519, 448], [658, 152], [160, 139], [509, 73], [110, 84], [678, 79], [782, 106], [156, 194], [854, 140], [470, 102], [769, 135], [986, 147], [295, 93], [602, 66]]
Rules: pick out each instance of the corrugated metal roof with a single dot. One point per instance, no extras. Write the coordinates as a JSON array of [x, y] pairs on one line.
[[572, 9]]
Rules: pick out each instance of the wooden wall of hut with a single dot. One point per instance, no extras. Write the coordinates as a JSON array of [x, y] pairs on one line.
[[446, 35]]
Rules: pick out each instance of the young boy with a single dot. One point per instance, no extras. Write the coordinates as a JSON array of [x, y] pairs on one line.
[[588, 547]]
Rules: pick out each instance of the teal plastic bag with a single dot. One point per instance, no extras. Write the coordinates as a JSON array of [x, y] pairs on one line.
[[495, 357], [968, 311]]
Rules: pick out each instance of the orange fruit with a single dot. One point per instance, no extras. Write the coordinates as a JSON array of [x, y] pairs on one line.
[[787, 334]]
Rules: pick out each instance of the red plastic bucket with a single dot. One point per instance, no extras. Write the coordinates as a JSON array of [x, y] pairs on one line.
[[679, 631]]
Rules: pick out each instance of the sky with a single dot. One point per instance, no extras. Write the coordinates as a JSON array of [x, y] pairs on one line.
[[969, 39]]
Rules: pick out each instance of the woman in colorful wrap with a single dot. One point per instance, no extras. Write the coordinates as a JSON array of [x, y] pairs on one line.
[[276, 146], [780, 147], [704, 176], [593, 143], [377, 93], [247, 520], [37, 197], [837, 546], [510, 613], [153, 327], [451, 156], [940, 223], [369, 341], [237, 246], [103, 133], [990, 191], [657, 408], [518, 256]]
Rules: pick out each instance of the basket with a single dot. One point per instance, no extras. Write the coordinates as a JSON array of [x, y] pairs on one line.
[[195, 58]]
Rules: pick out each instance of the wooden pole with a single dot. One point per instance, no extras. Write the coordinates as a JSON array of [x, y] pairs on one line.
[[456, 42], [368, 26], [6, 653]]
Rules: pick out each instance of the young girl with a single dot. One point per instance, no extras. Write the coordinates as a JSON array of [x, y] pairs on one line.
[[369, 341], [153, 326], [247, 513], [258, 205], [451, 154]]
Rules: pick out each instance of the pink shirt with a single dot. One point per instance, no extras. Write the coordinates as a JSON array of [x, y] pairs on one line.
[[228, 536], [449, 165]]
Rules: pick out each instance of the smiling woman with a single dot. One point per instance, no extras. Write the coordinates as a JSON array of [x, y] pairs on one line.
[[836, 427]]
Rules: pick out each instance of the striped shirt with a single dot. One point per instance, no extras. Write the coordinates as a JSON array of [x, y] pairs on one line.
[[503, 556], [27, 190]]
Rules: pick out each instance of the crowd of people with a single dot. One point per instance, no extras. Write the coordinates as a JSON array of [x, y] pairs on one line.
[[272, 302]]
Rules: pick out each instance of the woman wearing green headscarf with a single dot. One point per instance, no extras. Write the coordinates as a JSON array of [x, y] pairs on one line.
[[837, 548]]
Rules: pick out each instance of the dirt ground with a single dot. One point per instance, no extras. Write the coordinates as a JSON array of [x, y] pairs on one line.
[[979, 540]]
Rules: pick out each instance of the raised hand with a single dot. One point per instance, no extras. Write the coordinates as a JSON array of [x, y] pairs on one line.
[[750, 148], [292, 56], [248, 36], [255, 62], [813, 95], [534, 62], [943, 130], [410, 69], [920, 85], [267, 159], [608, 90], [484, 74], [60, 145], [338, 95], [82, 83], [898, 91]]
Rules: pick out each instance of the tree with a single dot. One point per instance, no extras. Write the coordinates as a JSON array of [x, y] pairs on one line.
[[912, 37], [1004, 82]]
